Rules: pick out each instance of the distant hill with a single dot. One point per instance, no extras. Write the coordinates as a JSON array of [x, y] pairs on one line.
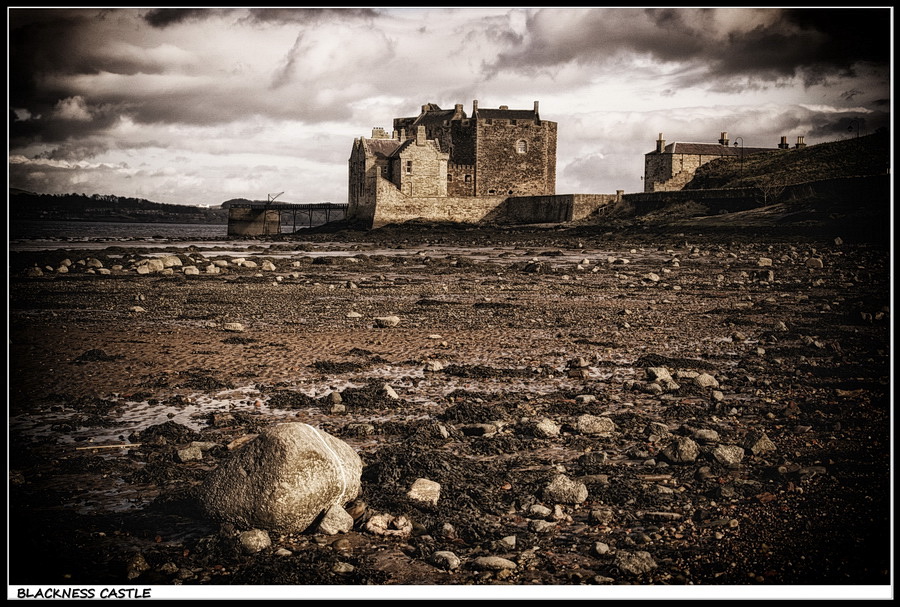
[[25, 206]]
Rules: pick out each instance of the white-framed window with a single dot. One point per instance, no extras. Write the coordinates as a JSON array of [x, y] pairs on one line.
[[409, 167], [521, 146]]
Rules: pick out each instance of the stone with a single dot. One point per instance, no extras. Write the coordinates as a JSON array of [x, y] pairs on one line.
[[661, 377], [601, 548], [493, 563], [171, 261], [352, 314], [255, 540], [729, 456], [546, 428], [233, 326], [190, 270], [706, 435], [190, 453], [705, 380], [681, 450], [814, 262], [336, 520], [541, 526], [387, 321], [595, 425], [389, 525], [444, 559], [764, 262], [282, 480], [267, 266], [136, 566], [425, 491], [635, 563], [757, 442], [388, 391], [564, 490], [433, 366]]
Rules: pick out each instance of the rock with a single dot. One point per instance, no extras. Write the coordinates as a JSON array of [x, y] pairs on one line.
[[546, 428], [493, 563], [425, 491], [564, 490], [433, 366], [541, 526], [764, 262], [388, 391], [171, 261], [267, 266], [136, 309], [656, 431], [540, 510], [729, 456], [757, 442], [389, 525], [635, 563], [283, 479], [705, 380], [352, 314], [444, 559], [594, 425], [254, 541], [661, 377], [814, 262], [136, 566], [336, 520], [387, 321], [190, 270], [235, 327], [601, 548], [33, 272], [192, 452], [706, 435], [681, 450]]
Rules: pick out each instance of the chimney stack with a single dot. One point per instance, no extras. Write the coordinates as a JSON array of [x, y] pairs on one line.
[[800, 142], [660, 144], [420, 135], [474, 106], [784, 144], [724, 139]]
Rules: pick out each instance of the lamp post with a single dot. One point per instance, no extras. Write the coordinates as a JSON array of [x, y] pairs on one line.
[[742, 153]]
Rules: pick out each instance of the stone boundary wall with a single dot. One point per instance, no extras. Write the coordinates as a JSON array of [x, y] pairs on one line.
[[394, 207], [253, 222]]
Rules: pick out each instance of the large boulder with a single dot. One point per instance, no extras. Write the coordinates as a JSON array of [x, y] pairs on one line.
[[283, 479]]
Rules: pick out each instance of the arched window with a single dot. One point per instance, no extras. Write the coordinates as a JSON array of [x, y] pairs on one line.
[[521, 146]]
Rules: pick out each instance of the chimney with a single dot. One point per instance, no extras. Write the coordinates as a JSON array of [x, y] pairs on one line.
[[474, 106], [784, 144], [724, 139], [424, 108], [420, 135], [535, 107], [800, 142], [403, 134], [378, 133], [504, 107], [395, 135], [660, 144]]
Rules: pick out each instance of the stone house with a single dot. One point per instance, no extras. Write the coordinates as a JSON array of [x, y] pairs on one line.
[[670, 167], [445, 165]]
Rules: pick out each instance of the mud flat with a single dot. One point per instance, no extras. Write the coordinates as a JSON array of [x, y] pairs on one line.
[[720, 404]]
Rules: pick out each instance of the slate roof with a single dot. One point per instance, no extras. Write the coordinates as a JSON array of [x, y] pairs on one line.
[[382, 148], [709, 149]]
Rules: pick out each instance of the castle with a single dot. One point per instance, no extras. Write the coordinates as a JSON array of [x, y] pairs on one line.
[[670, 167], [444, 165]]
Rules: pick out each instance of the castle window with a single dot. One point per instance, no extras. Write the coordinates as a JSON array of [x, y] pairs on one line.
[[492, 191], [449, 177], [468, 178], [409, 167], [521, 146]]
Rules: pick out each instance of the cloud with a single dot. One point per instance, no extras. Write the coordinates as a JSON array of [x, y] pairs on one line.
[[72, 108]]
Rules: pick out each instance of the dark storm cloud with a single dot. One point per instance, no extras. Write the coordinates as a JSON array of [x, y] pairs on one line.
[[811, 43], [164, 17]]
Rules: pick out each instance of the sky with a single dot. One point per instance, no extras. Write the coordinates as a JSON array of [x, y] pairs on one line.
[[200, 106]]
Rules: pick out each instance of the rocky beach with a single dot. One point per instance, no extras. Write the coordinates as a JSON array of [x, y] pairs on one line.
[[554, 406]]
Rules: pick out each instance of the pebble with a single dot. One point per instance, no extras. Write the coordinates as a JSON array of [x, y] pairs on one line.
[[493, 563]]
